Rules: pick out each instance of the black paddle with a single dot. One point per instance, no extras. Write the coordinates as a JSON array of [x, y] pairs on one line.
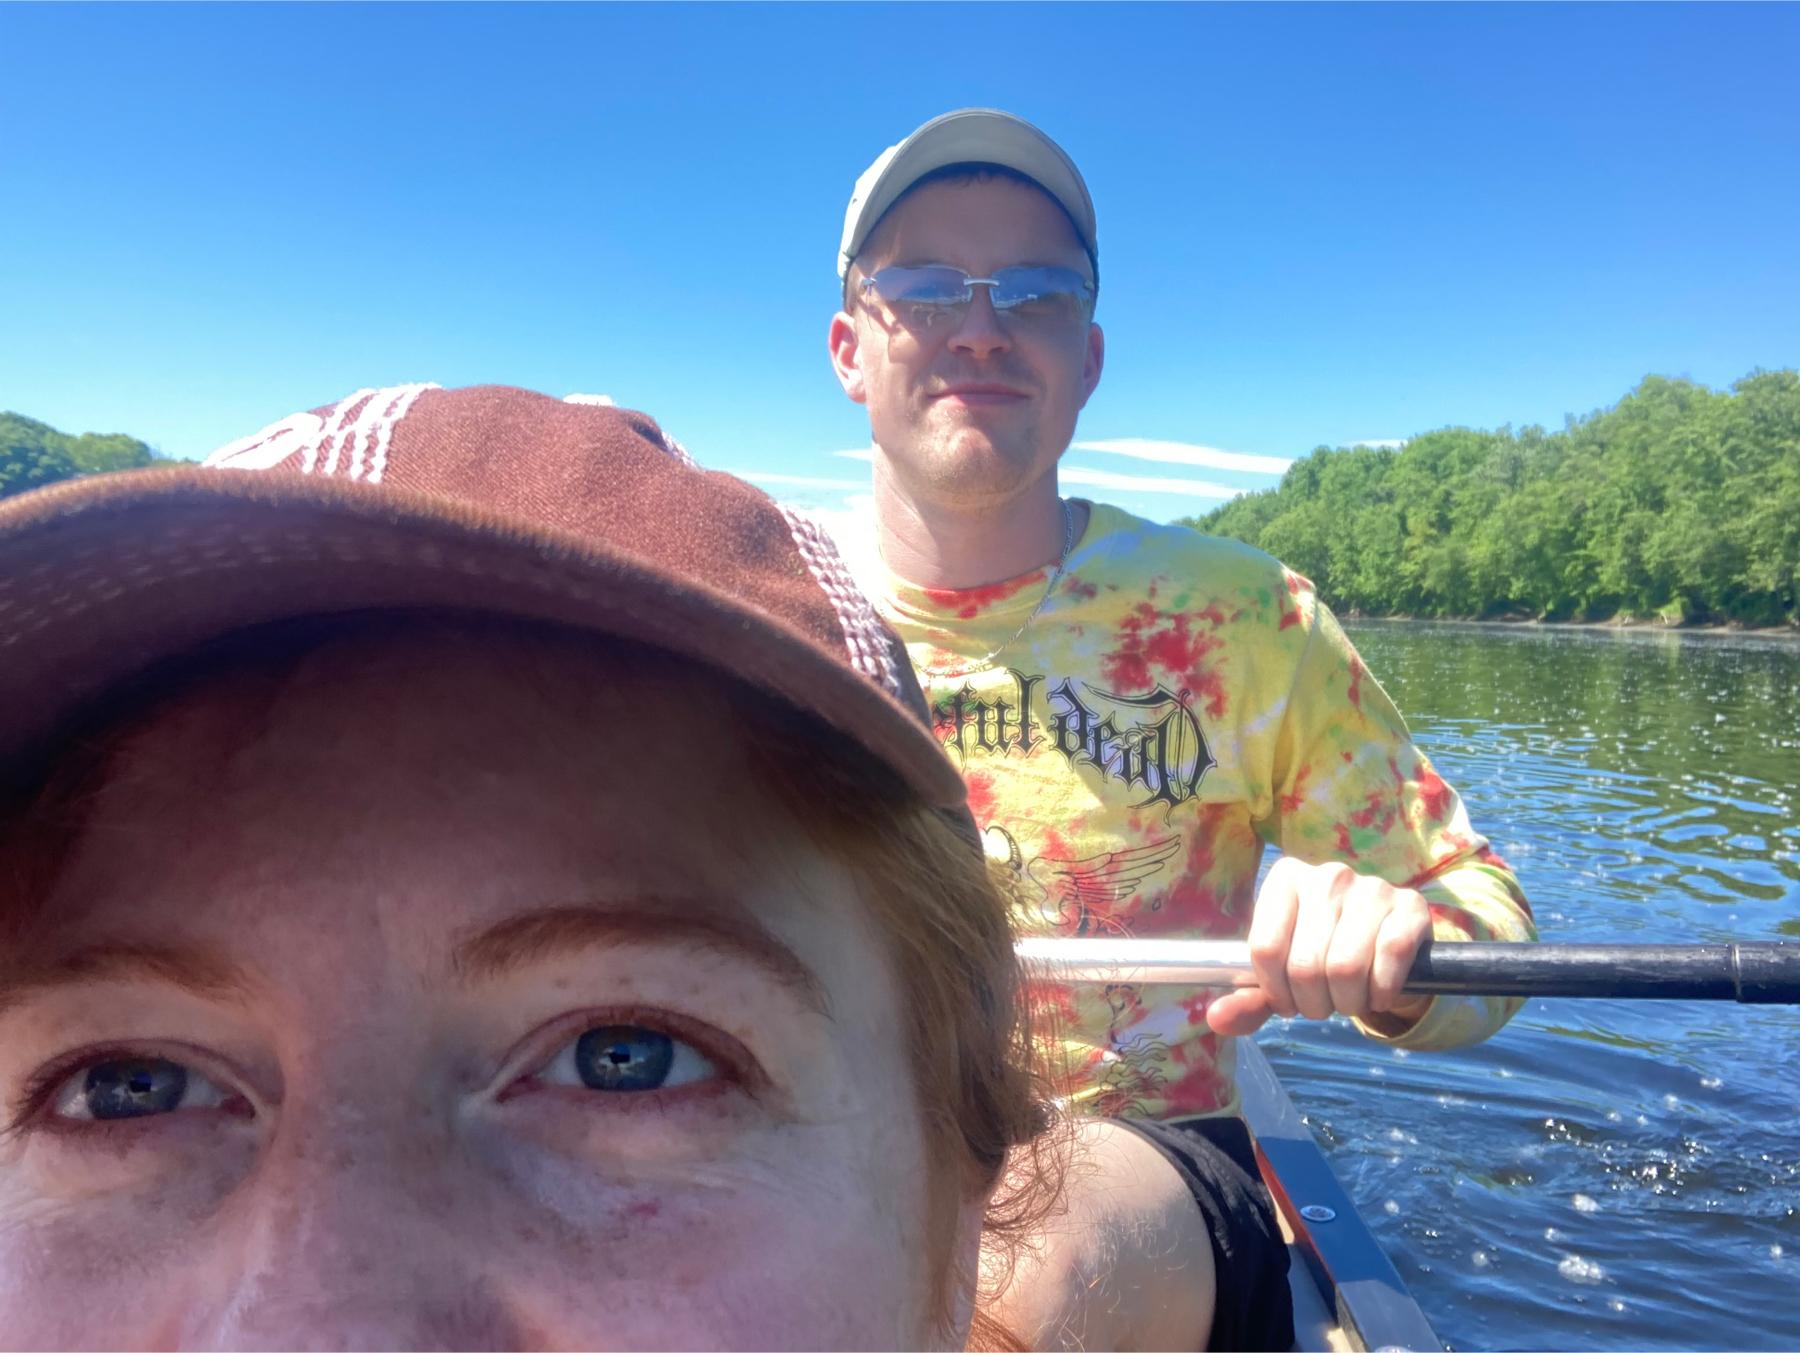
[[1754, 974]]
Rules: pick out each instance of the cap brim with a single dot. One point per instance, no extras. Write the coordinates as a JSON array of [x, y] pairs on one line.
[[974, 136], [101, 578]]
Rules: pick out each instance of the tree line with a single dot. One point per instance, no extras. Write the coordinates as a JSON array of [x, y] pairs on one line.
[[1679, 502], [34, 453]]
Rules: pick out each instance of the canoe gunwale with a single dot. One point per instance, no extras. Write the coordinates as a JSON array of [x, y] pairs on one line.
[[1353, 1274]]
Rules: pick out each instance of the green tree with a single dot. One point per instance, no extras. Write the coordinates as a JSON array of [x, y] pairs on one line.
[[1767, 425], [28, 461], [1677, 501], [34, 453], [95, 453]]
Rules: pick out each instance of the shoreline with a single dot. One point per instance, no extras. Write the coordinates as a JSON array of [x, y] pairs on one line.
[[1778, 633]]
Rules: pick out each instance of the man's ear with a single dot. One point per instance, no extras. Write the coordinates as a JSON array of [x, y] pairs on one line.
[[1092, 363], [846, 358]]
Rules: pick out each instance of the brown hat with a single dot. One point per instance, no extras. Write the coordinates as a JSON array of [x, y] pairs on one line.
[[486, 499]]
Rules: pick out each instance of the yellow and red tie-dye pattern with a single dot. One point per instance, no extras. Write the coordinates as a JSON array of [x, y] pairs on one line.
[[1181, 702]]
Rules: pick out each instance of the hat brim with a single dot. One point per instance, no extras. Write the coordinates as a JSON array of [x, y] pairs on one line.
[[973, 136], [101, 578]]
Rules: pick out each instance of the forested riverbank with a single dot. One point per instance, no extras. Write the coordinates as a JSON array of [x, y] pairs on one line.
[[33, 454], [1679, 504]]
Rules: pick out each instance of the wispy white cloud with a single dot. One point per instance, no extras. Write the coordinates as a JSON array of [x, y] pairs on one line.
[[1132, 483], [1383, 443], [798, 481], [1186, 453]]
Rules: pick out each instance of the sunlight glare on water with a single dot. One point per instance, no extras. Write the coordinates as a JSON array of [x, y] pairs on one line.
[[1602, 1174]]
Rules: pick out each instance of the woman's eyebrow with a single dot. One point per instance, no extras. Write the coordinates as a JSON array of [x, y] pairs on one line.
[[196, 969], [533, 936]]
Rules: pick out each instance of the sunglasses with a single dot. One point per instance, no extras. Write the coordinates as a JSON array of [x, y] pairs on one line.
[[1045, 297]]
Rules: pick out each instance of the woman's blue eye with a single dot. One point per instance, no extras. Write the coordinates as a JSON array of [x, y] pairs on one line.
[[135, 1087], [620, 1057], [626, 1058]]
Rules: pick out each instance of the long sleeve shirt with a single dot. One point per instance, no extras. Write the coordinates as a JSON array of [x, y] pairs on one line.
[[1177, 704]]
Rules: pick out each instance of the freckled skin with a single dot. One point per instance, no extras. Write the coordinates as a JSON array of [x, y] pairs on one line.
[[334, 836]]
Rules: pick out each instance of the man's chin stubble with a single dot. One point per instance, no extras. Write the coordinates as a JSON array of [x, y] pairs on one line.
[[969, 470]]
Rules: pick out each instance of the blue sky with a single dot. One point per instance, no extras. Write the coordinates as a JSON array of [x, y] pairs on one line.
[[1317, 224]]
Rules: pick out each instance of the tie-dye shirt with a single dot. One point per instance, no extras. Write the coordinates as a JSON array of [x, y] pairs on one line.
[[1179, 702]]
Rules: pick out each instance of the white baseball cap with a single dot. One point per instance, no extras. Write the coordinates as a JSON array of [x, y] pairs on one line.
[[966, 136]]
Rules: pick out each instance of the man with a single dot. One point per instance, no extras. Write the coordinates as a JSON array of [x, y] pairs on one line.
[[1137, 710]]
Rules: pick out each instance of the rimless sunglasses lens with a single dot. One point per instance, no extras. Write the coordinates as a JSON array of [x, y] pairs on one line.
[[1033, 294]]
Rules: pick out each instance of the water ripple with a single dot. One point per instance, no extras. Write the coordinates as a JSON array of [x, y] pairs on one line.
[[1602, 1174]]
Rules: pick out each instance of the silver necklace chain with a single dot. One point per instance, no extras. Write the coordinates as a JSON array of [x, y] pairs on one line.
[[986, 660]]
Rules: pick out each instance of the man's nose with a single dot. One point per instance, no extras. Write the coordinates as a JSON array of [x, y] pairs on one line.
[[341, 1246], [981, 334]]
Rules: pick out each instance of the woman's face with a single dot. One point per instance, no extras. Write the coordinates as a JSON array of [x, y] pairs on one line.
[[436, 995]]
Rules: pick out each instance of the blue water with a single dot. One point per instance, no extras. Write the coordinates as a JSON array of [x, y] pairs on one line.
[[1601, 1174]]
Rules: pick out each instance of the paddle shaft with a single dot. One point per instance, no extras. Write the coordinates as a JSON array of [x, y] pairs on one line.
[[1763, 973]]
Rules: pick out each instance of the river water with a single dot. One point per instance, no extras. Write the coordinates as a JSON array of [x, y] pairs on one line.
[[1601, 1174]]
